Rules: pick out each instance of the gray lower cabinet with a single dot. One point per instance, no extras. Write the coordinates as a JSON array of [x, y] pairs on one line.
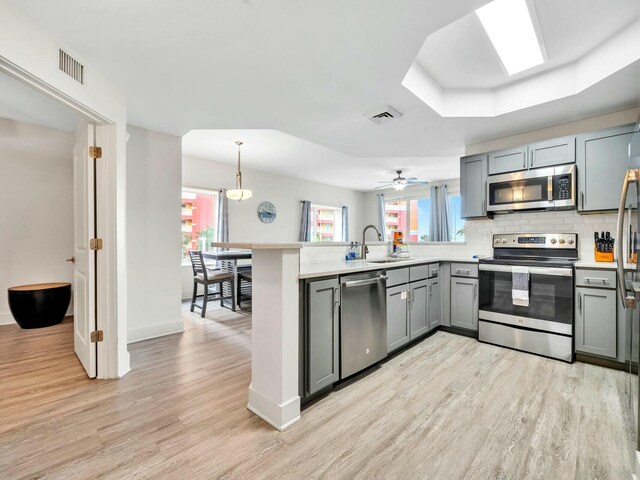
[[398, 333], [601, 160], [473, 186], [435, 303], [418, 308], [596, 321], [322, 334], [464, 303]]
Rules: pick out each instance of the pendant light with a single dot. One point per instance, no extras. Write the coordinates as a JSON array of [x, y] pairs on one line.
[[239, 193]]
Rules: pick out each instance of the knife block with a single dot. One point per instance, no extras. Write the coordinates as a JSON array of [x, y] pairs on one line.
[[602, 256]]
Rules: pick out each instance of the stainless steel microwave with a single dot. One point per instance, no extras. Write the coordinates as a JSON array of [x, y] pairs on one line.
[[551, 188]]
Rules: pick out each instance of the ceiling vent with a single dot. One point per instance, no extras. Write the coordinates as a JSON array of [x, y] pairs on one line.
[[70, 66], [383, 115]]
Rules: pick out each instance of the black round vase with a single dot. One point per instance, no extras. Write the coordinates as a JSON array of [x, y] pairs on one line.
[[42, 305]]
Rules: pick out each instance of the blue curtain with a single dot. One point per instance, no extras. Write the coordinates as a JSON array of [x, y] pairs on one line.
[[345, 224], [222, 232], [305, 221], [381, 222], [439, 230]]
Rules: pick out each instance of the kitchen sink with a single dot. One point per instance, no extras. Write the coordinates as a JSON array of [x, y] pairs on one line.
[[382, 261]]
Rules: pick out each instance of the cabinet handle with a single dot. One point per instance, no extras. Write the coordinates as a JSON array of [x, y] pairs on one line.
[[582, 200], [430, 291], [594, 279], [336, 296], [461, 270], [475, 290], [580, 303]]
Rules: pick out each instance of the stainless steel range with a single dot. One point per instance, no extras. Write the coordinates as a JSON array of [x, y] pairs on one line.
[[526, 293]]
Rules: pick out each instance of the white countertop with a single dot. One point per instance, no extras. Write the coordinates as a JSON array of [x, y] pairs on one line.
[[259, 246], [603, 265], [323, 269]]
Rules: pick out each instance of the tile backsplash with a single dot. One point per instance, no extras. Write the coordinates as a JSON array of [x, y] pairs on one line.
[[478, 232], [478, 235]]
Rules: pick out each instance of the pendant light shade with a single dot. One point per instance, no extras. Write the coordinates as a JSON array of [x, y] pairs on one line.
[[239, 193]]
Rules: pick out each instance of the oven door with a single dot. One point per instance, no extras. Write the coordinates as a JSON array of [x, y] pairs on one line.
[[550, 298]]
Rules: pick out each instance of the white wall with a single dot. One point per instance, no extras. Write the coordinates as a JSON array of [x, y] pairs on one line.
[[284, 192], [153, 233], [609, 120], [30, 53], [36, 207]]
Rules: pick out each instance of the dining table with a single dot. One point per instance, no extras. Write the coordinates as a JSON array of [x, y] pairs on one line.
[[227, 260]]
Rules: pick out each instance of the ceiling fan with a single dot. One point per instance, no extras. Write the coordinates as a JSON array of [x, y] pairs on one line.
[[400, 182]]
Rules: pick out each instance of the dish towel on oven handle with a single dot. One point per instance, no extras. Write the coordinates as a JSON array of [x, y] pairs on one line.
[[520, 286]]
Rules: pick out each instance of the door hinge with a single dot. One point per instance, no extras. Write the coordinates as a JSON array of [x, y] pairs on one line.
[[95, 152], [97, 336], [95, 244]]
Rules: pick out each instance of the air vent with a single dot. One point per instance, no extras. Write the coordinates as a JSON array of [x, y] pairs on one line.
[[383, 115], [71, 66]]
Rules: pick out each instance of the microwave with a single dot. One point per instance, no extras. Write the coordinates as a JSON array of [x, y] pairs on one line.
[[551, 188]]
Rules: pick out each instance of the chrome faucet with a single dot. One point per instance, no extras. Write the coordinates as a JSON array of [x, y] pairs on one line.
[[365, 249]]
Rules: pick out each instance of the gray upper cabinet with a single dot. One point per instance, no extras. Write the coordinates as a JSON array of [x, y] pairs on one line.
[[510, 160], [596, 321], [418, 308], [473, 186], [322, 339], [434, 313], [397, 317], [464, 303], [549, 153], [602, 158]]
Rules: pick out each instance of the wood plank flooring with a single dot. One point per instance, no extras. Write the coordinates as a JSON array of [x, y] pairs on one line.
[[448, 408]]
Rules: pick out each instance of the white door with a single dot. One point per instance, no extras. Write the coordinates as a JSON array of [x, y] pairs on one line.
[[84, 311]]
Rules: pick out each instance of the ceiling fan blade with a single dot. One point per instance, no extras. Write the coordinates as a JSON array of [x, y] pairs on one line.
[[384, 186], [417, 182]]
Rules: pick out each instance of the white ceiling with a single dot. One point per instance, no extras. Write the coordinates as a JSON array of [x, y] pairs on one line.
[[308, 69], [461, 56], [22, 103], [278, 152]]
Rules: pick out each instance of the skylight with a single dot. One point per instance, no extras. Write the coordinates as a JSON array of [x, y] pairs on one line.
[[509, 26]]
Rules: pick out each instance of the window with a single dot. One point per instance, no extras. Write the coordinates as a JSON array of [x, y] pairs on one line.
[[413, 217], [326, 224], [199, 220]]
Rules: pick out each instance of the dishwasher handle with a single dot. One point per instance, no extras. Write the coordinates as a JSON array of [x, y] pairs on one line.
[[367, 281]]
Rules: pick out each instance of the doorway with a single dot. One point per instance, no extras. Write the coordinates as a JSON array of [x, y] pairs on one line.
[[47, 220]]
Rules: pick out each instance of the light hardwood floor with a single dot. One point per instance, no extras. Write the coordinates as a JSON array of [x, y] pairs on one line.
[[448, 408]]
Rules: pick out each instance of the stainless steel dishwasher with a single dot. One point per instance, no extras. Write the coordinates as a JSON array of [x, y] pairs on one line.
[[363, 321]]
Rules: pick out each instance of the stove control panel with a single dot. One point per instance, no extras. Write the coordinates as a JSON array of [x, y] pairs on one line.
[[536, 240]]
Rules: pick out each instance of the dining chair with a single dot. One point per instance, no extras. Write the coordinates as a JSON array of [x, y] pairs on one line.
[[208, 278], [244, 275]]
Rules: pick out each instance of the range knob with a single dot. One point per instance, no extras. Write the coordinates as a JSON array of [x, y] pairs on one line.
[[570, 241], [553, 241], [561, 241], [504, 240]]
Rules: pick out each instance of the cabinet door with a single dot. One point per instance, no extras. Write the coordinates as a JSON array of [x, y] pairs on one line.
[[322, 334], [418, 308], [473, 186], [435, 303], [552, 152], [464, 303], [397, 317], [602, 159], [511, 160], [596, 321]]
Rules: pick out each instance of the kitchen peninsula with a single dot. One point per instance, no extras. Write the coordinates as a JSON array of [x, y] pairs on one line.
[[274, 392]]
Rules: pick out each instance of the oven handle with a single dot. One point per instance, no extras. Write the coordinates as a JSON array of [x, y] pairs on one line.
[[558, 272]]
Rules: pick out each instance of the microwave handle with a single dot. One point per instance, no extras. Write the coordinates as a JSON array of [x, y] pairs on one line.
[[550, 188]]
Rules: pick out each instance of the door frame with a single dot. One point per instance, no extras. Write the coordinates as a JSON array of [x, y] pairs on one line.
[[112, 356]]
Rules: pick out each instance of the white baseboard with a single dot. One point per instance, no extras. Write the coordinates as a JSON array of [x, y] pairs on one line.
[[153, 331], [6, 319], [280, 416]]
